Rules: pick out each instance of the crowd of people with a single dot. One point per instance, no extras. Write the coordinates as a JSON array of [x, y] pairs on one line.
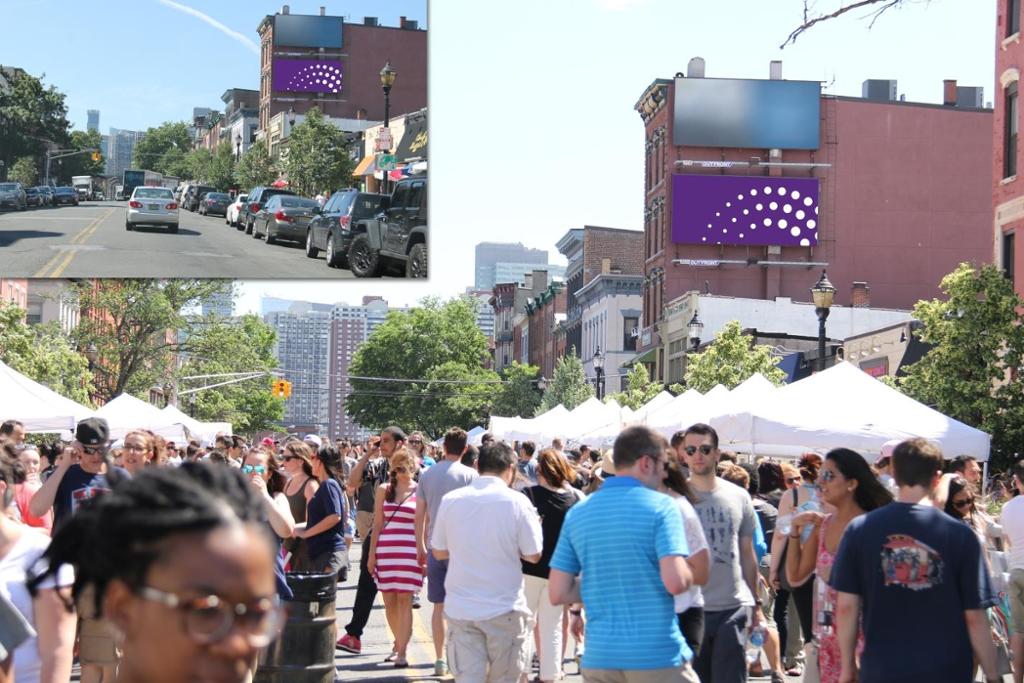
[[656, 560]]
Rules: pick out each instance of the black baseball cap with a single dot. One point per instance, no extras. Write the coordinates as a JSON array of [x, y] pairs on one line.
[[92, 431]]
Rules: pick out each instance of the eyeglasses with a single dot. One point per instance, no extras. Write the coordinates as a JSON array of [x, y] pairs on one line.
[[962, 503], [258, 469], [92, 450], [705, 449], [210, 619], [398, 470], [827, 475], [134, 447], [416, 441]]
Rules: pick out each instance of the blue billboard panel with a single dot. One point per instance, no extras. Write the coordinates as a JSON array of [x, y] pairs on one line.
[[297, 30], [751, 114]]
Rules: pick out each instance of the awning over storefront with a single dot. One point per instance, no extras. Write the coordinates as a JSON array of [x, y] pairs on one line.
[[414, 142], [648, 356], [365, 167]]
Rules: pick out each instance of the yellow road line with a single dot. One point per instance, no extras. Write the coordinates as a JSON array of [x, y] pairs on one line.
[[65, 258], [423, 633]]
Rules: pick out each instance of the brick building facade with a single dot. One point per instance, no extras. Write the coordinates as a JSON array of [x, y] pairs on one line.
[[1008, 186]]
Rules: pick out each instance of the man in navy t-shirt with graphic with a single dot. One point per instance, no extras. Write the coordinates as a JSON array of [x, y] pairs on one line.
[[919, 578]]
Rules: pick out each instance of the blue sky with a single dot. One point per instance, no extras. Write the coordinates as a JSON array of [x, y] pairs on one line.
[[143, 62], [533, 130]]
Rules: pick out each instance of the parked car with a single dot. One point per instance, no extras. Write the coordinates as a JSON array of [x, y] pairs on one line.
[[151, 206], [214, 202], [331, 231], [65, 195], [399, 233], [231, 215], [13, 195], [47, 193], [258, 196], [194, 195], [33, 197], [285, 217]]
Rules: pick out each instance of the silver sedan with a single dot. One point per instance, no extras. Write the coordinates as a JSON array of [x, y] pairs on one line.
[[152, 206]]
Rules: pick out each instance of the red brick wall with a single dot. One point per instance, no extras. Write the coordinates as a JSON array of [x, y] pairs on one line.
[[1009, 57], [625, 248]]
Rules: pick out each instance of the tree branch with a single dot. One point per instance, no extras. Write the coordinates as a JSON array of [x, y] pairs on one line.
[[808, 23]]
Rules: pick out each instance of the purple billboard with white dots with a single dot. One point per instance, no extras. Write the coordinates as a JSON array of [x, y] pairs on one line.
[[307, 75], [755, 210]]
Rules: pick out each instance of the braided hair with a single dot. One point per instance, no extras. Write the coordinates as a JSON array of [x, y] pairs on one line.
[[118, 535]]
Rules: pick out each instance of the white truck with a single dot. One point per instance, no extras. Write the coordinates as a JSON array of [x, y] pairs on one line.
[[83, 186]]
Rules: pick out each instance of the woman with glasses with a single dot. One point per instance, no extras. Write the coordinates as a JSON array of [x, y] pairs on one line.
[[46, 657], [848, 485], [392, 558], [299, 490], [138, 450], [180, 562], [961, 504], [324, 528]]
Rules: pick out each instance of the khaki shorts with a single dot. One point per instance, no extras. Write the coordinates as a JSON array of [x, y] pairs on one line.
[[364, 522], [1015, 593], [493, 650], [96, 642], [684, 674]]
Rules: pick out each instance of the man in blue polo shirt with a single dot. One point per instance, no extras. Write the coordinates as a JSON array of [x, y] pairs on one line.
[[627, 541]]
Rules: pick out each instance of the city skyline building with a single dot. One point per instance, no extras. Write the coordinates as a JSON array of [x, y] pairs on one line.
[[93, 118], [516, 260], [120, 149]]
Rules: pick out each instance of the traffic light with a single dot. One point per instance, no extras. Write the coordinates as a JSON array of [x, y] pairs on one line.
[[95, 156], [281, 388]]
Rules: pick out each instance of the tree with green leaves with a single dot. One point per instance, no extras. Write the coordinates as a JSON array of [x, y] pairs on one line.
[[198, 164], [255, 167], [219, 345], [24, 171], [82, 164], [317, 156], [519, 396], [163, 149], [569, 386], [731, 359], [30, 116], [640, 389], [222, 168], [977, 349], [422, 369], [45, 354], [135, 327]]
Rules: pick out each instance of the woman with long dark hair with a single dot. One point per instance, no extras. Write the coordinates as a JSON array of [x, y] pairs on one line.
[[324, 528], [299, 490], [848, 484], [961, 504], [179, 561]]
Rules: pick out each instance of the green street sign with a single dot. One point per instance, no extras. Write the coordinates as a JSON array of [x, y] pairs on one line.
[[386, 162]]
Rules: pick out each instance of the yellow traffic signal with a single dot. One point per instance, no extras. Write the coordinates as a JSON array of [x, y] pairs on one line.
[[95, 156], [287, 389], [281, 388]]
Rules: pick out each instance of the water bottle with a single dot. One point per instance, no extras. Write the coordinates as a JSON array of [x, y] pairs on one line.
[[754, 643], [784, 524]]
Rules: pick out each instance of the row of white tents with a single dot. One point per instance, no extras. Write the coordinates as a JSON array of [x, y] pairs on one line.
[[841, 406], [41, 410]]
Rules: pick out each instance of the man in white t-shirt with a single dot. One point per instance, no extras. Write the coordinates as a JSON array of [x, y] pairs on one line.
[[485, 529], [1012, 520]]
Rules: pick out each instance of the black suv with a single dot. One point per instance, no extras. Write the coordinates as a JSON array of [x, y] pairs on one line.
[[258, 196], [190, 202], [399, 233], [331, 231]]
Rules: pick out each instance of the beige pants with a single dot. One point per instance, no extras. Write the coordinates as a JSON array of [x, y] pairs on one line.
[[364, 522], [490, 651], [684, 674]]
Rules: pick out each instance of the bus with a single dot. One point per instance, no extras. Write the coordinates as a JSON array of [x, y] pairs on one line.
[[135, 178]]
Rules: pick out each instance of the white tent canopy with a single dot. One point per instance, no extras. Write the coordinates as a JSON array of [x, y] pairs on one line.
[[844, 406], [125, 412], [207, 431], [39, 408]]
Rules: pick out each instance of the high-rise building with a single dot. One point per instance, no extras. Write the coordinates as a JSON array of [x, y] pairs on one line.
[[120, 149], [270, 304], [489, 254], [323, 61], [221, 305], [303, 349], [94, 120]]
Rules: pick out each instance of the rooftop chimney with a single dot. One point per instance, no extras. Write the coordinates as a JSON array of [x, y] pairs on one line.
[[775, 70], [695, 68], [284, 9], [860, 295], [323, 11], [949, 92]]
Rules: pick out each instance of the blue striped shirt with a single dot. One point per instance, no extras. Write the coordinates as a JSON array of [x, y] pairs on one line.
[[616, 538]]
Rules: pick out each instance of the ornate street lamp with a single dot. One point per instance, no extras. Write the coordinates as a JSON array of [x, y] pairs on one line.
[[542, 383], [599, 373], [387, 79], [238, 146], [696, 327], [823, 292], [92, 354]]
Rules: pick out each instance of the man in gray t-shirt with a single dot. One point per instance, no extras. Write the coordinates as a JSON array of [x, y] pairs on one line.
[[728, 519], [435, 482]]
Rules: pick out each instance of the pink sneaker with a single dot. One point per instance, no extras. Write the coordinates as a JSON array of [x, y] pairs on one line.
[[349, 643]]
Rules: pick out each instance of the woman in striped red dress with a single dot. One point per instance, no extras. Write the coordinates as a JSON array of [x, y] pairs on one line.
[[392, 558]]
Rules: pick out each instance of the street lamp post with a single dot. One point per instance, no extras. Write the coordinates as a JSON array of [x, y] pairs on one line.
[[696, 327], [822, 293], [599, 373], [387, 79], [238, 147]]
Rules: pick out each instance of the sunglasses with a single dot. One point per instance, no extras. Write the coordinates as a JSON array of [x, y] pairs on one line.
[[92, 450], [417, 441], [793, 480], [258, 469], [963, 502], [705, 449], [827, 475]]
